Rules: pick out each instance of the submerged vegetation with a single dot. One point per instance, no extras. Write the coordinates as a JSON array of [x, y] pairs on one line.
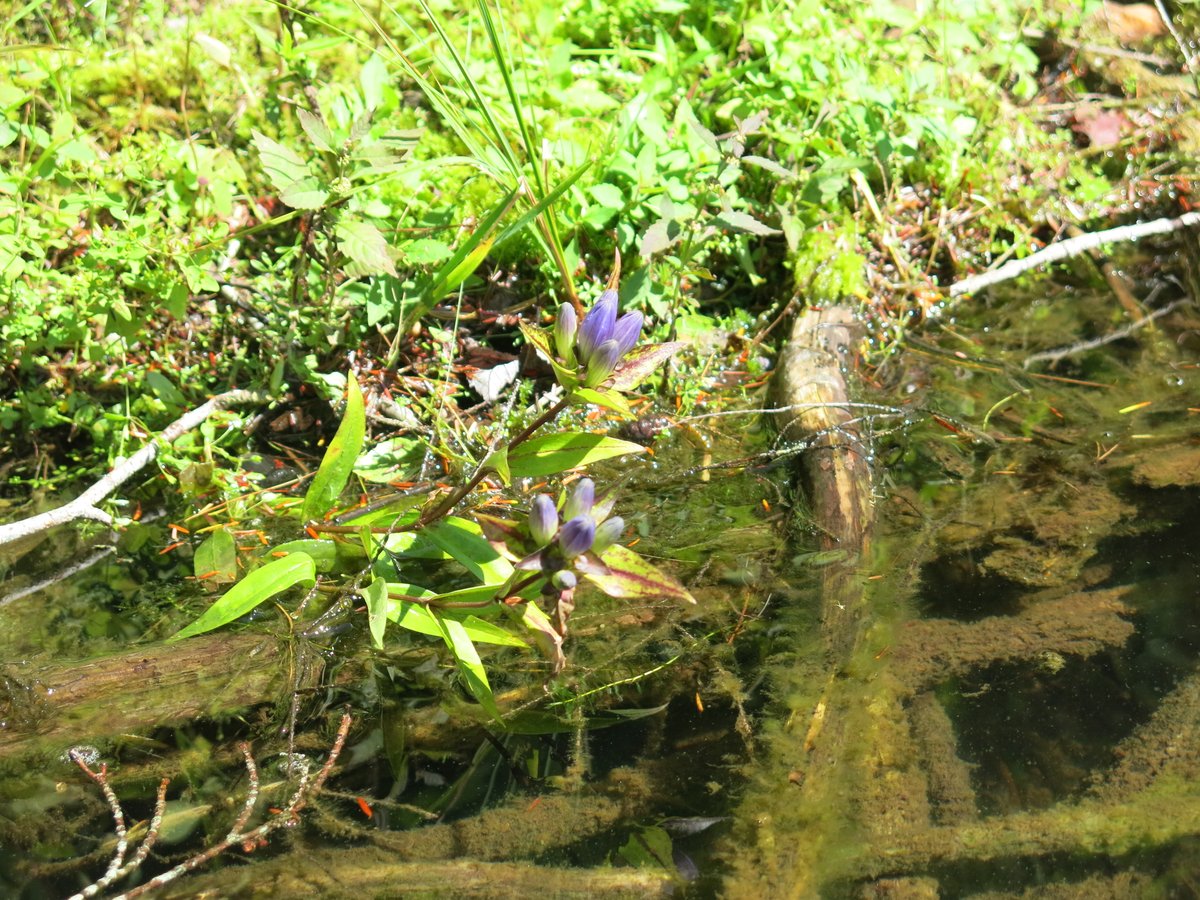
[[398, 326]]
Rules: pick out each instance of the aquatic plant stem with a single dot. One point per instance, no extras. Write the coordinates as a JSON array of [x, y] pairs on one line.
[[306, 789], [455, 497]]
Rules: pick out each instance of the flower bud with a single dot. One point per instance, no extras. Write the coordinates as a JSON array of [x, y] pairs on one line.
[[543, 520], [579, 503], [564, 579], [627, 331], [576, 536], [607, 534], [603, 360], [564, 333], [597, 326], [604, 503]]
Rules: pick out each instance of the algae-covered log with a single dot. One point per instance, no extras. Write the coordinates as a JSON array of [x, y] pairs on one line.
[[818, 417], [524, 830], [48, 706], [358, 873], [934, 650]]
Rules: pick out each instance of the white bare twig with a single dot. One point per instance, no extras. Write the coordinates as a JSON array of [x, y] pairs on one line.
[[87, 504], [1055, 355], [1072, 247]]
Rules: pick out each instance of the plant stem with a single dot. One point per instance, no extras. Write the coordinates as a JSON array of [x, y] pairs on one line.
[[454, 497]]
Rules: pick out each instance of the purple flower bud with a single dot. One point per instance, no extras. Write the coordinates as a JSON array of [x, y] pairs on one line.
[[564, 579], [543, 520], [607, 534], [597, 326], [579, 503], [627, 331], [564, 332], [602, 362], [576, 536]]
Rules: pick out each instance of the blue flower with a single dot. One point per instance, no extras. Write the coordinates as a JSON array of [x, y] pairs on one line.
[[577, 536], [597, 326], [627, 331], [583, 496], [543, 520]]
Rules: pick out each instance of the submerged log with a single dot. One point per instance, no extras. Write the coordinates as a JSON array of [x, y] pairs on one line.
[[354, 873], [863, 781], [818, 419], [49, 706]]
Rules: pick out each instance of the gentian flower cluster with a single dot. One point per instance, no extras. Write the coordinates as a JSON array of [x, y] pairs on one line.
[[585, 533], [597, 344]]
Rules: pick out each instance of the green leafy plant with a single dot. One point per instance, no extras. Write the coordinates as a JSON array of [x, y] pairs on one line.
[[528, 570]]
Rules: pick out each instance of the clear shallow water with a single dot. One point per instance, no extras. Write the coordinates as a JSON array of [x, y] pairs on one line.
[[701, 764]]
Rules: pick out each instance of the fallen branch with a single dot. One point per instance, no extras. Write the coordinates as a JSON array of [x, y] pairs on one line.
[[1072, 247], [307, 788], [86, 505]]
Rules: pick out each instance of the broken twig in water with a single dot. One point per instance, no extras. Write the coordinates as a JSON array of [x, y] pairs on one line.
[[1053, 356], [1072, 247], [307, 788], [86, 505]]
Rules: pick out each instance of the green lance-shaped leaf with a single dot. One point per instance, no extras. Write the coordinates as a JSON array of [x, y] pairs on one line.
[[470, 253], [338, 464], [469, 663], [376, 596], [216, 559], [325, 554], [261, 584], [464, 542], [419, 618], [554, 453], [608, 399], [632, 578]]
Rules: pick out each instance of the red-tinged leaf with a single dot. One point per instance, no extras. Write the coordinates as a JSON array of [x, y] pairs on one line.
[[590, 564], [641, 363], [502, 534], [632, 578], [548, 641]]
